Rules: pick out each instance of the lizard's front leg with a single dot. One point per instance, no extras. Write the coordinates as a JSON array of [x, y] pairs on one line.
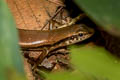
[[41, 57]]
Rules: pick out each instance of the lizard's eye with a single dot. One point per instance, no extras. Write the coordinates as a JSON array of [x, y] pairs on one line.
[[81, 34]]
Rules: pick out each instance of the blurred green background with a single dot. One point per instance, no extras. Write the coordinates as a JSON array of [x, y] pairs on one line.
[[105, 13]]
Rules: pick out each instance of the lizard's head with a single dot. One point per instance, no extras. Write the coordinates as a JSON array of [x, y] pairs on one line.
[[81, 33]]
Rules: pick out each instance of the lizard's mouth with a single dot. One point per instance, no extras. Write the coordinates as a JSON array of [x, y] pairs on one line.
[[77, 38]]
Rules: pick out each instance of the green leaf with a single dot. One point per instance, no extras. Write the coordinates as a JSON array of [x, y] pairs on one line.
[[96, 62], [104, 12], [76, 75], [10, 57]]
